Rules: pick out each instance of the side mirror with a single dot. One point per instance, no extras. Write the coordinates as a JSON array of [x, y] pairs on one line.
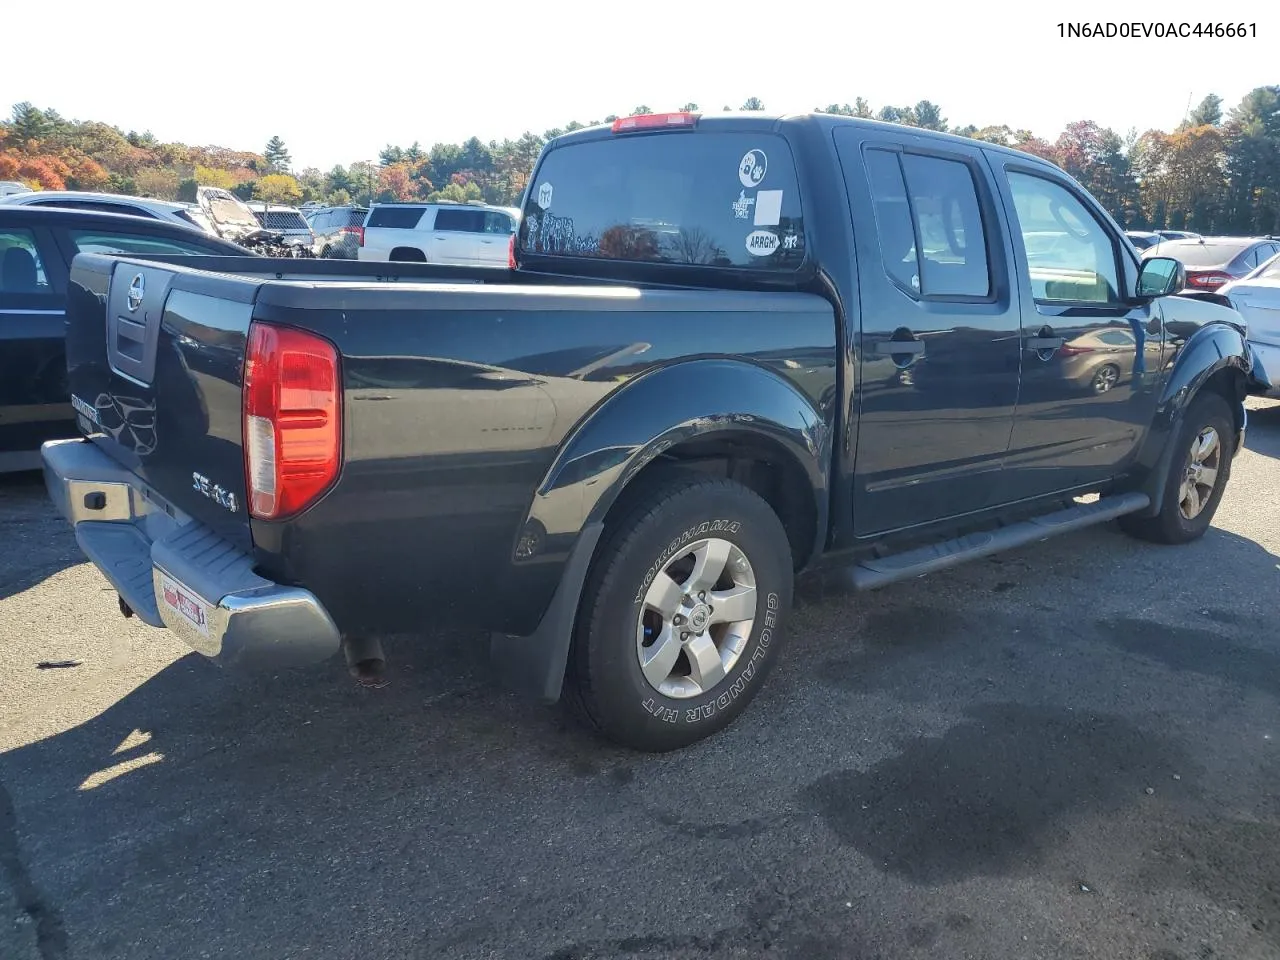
[[1160, 276]]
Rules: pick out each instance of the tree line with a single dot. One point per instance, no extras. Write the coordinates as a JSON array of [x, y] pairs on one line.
[[1217, 172]]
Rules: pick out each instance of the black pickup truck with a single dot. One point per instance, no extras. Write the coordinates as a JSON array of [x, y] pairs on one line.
[[729, 349]]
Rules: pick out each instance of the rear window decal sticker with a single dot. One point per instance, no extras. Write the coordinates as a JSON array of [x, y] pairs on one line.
[[761, 243], [753, 167], [544, 196], [768, 208], [742, 206]]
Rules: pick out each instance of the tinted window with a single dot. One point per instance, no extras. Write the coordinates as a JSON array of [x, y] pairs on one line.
[[495, 222], [460, 220], [893, 218], [22, 276], [1070, 255], [100, 241], [714, 199], [402, 218], [953, 247], [1193, 253], [929, 224]]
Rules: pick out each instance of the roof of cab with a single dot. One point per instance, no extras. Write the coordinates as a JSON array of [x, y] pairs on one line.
[[760, 120]]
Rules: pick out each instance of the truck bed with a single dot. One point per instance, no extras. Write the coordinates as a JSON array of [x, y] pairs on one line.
[[459, 390]]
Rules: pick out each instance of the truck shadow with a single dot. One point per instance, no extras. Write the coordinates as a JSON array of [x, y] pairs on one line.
[[1264, 430], [429, 797], [36, 542]]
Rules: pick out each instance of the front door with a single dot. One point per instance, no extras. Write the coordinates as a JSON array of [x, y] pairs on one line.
[[1091, 359], [35, 405], [939, 350]]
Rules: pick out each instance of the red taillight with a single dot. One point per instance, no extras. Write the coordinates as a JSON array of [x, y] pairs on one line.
[[1208, 279], [1067, 350], [358, 231], [292, 419], [648, 121], [511, 253]]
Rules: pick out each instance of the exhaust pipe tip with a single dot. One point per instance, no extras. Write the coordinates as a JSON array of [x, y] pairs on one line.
[[365, 661]]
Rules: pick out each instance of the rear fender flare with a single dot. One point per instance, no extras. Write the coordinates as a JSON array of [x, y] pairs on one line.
[[671, 405]]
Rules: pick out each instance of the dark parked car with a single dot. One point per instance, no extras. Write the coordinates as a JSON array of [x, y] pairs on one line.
[[1143, 239], [339, 231], [37, 245], [699, 378], [1214, 261]]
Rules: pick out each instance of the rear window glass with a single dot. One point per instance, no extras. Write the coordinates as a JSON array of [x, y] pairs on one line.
[[402, 218], [713, 199], [284, 220], [1195, 254]]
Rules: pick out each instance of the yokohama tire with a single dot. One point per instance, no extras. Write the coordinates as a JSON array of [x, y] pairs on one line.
[[1208, 411], [661, 536]]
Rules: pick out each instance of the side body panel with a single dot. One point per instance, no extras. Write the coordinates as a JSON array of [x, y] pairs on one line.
[[458, 403]]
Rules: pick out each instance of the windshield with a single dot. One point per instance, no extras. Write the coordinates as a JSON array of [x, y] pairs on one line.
[[713, 199]]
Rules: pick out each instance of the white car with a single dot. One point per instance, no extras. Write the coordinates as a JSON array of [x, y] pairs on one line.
[[452, 233], [10, 187], [183, 213], [1256, 296]]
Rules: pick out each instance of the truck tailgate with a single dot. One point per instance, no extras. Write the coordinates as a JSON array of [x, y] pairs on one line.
[[155, 355]]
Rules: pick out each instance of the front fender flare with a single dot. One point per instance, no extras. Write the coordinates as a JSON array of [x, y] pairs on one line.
[[1211, 349]]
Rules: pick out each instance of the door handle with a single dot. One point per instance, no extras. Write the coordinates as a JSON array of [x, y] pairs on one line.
[[1044, 343], [896, 348]]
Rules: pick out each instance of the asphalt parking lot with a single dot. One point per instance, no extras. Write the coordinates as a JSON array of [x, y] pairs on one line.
[[1069, 751]]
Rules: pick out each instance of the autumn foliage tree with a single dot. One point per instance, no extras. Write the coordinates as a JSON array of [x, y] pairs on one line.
[[1218, 171]]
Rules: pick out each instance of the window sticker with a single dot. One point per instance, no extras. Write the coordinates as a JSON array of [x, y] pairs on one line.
[[768, 208], [753, 167]]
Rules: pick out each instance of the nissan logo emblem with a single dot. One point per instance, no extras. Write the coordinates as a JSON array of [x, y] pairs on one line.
[[136, 289]]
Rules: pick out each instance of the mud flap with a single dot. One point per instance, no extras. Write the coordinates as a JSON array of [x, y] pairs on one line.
[[535, 665]]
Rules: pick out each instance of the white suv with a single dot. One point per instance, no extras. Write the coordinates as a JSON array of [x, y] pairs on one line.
[[455, 233]]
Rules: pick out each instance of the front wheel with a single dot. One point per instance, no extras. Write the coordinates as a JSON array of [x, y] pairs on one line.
[[682, 614], [1197, 478]]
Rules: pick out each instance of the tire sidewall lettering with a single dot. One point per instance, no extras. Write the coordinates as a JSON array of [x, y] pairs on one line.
[[701, 529]]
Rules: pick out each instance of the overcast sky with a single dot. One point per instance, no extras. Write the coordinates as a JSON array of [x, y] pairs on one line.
[[338, 90]]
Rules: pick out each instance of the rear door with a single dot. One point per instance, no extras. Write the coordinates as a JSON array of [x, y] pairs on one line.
[[458, 235], [496, 240], [1090, 359], [34, 402], [939, 353]]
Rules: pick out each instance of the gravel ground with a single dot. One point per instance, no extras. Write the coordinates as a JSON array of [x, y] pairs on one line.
[[1071, 750]]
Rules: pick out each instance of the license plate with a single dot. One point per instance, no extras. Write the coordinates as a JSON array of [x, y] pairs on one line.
[[185, 604]]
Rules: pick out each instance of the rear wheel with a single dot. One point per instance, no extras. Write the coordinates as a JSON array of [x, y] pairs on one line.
[[1198, 475], [682, 614]]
